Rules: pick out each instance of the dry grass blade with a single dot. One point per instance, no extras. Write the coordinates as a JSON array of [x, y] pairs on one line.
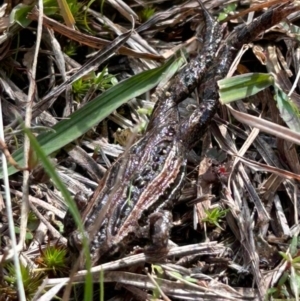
[[209, 248], [91, 65], [228, 145], [88, 40], [124, 9], [136, 42], [266, 126], [172, 15], [255, 7], [66, 13]]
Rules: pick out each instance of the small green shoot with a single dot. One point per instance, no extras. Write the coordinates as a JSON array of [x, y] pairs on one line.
[[141, 128], [96, 110], [145, 111], [158, 269], [85, 17], [101, 81], [214, 216], [146, 14], [28, 235], [31, 281], [33, 221], [226, 11], [281, 290], [71, 49], [53, 260], [288, 286], [19, 14], [179, 277], [289, 111], [71, 11]]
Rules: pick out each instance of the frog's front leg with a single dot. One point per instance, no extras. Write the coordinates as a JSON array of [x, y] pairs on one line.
[[160, 225], [157, 232]]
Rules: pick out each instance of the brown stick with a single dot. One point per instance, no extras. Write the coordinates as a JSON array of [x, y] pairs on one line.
[[9, 158]]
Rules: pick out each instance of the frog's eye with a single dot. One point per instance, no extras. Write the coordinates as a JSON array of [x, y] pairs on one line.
[[263, 262]]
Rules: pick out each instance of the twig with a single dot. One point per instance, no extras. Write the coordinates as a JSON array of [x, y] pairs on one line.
[[31, 91], [9, 158], [15, 250]]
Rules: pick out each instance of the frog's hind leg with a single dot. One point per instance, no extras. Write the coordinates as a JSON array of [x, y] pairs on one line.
[[184, 83]]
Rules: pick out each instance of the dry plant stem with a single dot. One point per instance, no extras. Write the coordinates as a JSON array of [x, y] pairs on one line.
[[210, 248], [135, 42], [9, 158], [176, 289], [52, 230], [14, 251], [180, 289], [123, 9], [28, 116], [40, 204], [256, 7], [245, 218], [100, 57], [295, 83], [87, 40], [295, 198], [165, 297], [251, 163], [50, 293], [61, 65], [266, 126]]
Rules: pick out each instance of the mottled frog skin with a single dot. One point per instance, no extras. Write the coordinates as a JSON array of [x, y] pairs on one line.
[[145, 181]]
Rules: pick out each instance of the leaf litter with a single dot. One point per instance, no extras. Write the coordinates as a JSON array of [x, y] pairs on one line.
[[248, 162]]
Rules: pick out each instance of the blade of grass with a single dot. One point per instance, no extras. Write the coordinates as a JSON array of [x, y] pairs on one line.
[[85, 39], [49, 168], [242, 86], [66, 13], [288, 110], [9, 211], [100, 57], [266, 126], [19, 14], [95, 111]]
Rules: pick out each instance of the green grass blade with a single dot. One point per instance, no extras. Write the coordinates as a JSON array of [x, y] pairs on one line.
[[49, 168], [239, 87], [242, 86], [289, 111], [95, 111], [19, 14]]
